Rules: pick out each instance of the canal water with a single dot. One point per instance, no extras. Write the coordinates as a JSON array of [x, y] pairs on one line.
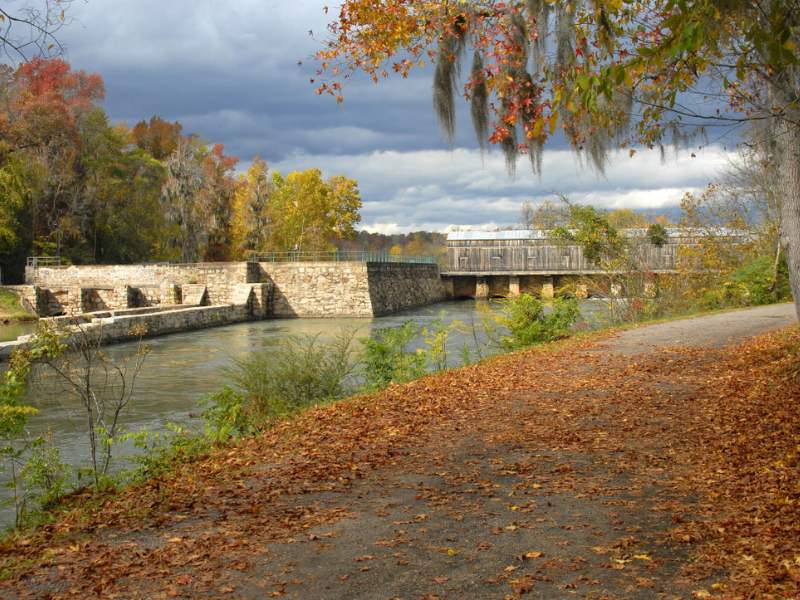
[[181, 369], [11, 331]]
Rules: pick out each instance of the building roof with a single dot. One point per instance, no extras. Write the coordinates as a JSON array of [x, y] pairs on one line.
[[509, 234], [543, 234]]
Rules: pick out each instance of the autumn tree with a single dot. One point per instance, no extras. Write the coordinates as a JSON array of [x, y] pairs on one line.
[[626, 218], [182, 200], [42, 106], [607, 73], [157, 136], [197, 200], [307, 213], [250, 226], [218, 192]]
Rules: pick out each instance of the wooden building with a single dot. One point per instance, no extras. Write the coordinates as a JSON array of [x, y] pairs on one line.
[[537, 252], [484, 264]]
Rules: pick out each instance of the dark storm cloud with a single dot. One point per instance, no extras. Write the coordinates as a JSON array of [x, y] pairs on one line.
[[233, 75]]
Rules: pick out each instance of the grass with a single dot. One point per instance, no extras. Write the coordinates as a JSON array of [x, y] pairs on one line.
[[11, 308]]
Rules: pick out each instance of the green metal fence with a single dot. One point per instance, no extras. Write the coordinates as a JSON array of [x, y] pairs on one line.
[[346, 256]]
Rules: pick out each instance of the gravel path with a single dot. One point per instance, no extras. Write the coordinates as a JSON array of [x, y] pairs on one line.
[[712, 331]]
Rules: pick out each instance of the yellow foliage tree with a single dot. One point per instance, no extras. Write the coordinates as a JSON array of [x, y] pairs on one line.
[[250, 223], [307, 212]]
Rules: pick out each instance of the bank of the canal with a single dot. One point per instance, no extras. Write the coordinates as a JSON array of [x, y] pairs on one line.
[[182, 368], [594, 466]]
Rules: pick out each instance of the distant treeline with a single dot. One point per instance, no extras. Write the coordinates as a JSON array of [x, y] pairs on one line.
[[417, 243]]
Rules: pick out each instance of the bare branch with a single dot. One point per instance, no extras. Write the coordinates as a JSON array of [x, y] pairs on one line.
[[30, 28]]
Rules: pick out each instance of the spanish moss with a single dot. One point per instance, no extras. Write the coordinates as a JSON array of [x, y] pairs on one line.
[[445, 78], [539, 11], [509, 144], [565, 36], [479, 105]]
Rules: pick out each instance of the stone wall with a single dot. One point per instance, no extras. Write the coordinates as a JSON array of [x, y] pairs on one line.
[[323, 289], [399, 286], [254, 302], [303, 289], [351, 289], [154, 282], [128, 326]]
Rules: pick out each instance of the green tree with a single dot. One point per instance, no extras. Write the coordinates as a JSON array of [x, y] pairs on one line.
[[120, 186]]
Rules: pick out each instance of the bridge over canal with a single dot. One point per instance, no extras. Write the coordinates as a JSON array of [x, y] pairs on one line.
[[483, 264]]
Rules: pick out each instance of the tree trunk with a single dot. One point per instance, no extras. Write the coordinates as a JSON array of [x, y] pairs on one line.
[[790, 208]]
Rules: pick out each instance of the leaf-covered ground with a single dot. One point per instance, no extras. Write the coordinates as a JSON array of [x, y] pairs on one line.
[[550, 473]]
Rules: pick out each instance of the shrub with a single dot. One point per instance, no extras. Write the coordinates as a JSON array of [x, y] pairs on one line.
[[436, 336], [759, 283], [657, 235], [527, 322], [160, 451], [387, 358], [226, 415], [278, 381], [750, 285], [45, 479]]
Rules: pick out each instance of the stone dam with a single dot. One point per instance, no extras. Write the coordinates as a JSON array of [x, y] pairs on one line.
[[153, 299]]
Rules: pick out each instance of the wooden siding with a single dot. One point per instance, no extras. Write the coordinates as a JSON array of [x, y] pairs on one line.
[[541, 257]]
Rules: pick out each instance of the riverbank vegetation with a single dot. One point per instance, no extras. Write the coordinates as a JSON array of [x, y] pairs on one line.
[[262, 389], [277, 382], [11, 309]]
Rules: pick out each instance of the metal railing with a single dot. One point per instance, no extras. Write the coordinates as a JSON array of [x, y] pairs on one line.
[[43, 261], [344, 256]]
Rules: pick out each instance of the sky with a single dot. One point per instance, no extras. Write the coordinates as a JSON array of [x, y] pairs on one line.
[[239, 73]]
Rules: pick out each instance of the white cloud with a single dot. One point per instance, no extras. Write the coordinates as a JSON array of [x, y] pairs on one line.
[[433, 189]]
